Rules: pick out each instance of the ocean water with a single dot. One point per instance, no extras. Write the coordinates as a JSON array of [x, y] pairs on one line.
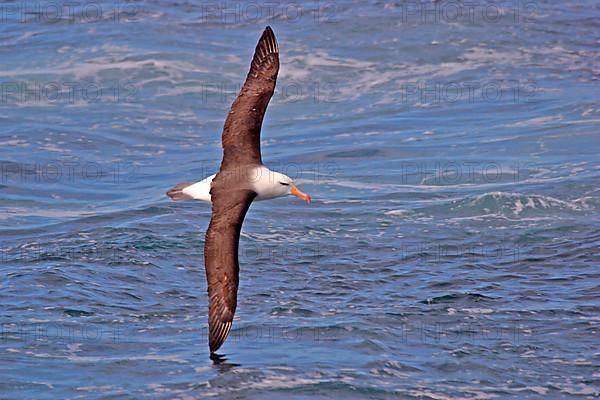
[[450, 252]]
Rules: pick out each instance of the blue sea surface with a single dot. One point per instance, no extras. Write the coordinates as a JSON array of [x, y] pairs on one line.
[[451, 250]]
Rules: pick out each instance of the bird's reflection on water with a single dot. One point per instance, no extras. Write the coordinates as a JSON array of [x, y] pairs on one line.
[[220, 362]]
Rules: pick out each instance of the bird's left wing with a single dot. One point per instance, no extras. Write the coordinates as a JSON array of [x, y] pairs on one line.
[[229, 207], [241, 133]]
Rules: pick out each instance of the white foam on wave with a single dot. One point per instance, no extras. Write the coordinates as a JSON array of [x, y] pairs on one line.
[[397, 213], [92, 68], [40, 212], [502, 205], [100, 388], [268, 382], [531, 201], [477, 310], [369, 76], [538, 121], [362, 185], [92, 359], [428, 184]]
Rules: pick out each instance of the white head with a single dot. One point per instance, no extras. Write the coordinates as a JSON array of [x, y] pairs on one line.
[[270, 184]]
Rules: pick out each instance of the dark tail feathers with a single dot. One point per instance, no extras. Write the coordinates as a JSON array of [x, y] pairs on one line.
[[176, 193]]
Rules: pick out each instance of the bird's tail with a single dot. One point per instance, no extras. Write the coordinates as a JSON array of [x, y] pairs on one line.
[[176, 193]]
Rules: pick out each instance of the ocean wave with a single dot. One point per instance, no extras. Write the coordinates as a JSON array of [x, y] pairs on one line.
[[507, 205]]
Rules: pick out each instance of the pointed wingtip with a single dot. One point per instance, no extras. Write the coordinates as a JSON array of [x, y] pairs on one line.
[[268, 41], [218, 334], [266, 55]]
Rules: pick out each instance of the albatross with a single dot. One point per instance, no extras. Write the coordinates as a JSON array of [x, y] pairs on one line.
[[242, 178]]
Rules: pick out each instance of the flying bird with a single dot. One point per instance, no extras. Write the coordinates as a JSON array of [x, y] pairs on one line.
[[242, 178]]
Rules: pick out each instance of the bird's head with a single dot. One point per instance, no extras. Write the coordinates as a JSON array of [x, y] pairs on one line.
[[284, 185]]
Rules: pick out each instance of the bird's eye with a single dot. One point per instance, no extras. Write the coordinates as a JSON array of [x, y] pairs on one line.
[[285, 184]]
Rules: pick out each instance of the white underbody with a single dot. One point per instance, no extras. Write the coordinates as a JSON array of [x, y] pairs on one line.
[[266, 183]]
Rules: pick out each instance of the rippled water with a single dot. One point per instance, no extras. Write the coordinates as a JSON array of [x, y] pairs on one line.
[[451, 250]]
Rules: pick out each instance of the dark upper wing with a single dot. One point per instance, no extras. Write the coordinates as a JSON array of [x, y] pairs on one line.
[[241, 133], [229, 207]]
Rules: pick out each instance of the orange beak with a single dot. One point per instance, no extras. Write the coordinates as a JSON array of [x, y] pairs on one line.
[[296, 192]]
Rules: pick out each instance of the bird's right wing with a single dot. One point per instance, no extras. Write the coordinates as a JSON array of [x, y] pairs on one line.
[[229, 207], [241, 133]]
